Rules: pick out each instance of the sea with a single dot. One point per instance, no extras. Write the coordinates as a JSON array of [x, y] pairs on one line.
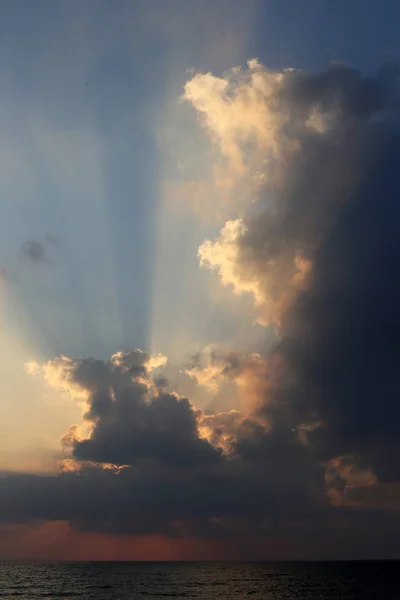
[[201, 581]]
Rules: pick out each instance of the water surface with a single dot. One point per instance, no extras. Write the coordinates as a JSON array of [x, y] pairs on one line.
[[201, 581]]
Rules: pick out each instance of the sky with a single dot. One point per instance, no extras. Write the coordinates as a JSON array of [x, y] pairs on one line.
[[199, 249]]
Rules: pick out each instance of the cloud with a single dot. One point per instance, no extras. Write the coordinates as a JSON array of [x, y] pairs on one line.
[[145, 460], [312, 452], [4, 274], [285, 277], [340, 341], [217, 498], [303, 143], [129, 418], [241, 110], [240, 375], [319, 248], [36, 250]]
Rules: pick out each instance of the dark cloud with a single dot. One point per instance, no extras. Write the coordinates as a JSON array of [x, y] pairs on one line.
[[341, 340], [233, 502], [37, 250], [151, 497], [131, 428], [173, 480], [34, 250], [332, 374], [132, 417], [339, 208]]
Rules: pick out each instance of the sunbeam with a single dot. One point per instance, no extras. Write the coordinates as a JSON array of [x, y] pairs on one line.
[[199, 297]]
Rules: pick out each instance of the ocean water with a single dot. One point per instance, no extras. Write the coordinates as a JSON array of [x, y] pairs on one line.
[[201, 581]]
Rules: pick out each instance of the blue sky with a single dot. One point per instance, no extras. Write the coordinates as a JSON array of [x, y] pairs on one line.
[[84, 89], [89, 114]]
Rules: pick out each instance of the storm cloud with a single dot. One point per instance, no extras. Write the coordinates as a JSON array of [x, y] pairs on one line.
[[320, 250]]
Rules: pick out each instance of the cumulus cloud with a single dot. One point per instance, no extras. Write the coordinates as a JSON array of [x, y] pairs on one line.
[[319, 248], [243, 115], [304, 142], [216, 370], [343, 476], [221, 428], [145, 460], [128, 416]]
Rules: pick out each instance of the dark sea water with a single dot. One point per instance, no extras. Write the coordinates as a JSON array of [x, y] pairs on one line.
[[204, 581]]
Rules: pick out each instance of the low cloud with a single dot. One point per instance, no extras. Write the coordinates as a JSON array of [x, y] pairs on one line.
[[145, 460], [128, 416]]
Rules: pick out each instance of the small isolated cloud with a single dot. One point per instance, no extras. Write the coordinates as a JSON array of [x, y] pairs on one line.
[[4, 274], [34, 250], [38, 250]]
